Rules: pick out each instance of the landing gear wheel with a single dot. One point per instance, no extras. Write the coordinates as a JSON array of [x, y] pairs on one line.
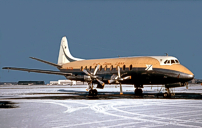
[[92, 92], [138, 91], [166, 95]]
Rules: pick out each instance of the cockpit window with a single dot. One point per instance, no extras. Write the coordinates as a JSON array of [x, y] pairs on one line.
[[169, 62], [172, 61], [176, 61]]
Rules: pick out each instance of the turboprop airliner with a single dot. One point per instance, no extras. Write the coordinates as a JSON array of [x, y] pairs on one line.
[[138, 71]]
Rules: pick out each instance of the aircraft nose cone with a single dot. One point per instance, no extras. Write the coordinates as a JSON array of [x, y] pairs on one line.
[[190, 77], [186, 76]]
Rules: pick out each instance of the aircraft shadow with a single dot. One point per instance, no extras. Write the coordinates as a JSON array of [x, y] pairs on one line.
[[75, 94]]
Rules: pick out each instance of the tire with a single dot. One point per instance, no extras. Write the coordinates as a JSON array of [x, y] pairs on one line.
[[94, 92], [138, 91], [90, 93], [166, 95]]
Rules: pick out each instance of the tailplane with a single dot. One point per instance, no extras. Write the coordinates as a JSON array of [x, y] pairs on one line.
[[64, 53]]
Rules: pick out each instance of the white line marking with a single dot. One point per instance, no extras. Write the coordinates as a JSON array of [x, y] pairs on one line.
[[95, 122], [121, 124]]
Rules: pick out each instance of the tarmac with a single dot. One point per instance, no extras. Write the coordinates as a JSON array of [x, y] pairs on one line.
[[31, 106]]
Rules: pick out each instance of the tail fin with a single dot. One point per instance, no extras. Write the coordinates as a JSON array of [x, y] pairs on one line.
[[64, 53]]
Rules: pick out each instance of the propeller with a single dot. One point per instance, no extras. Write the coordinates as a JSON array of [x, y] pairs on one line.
[[118, 80], [93, 75]]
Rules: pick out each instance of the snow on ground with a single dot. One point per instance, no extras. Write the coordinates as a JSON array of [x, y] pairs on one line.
[[104, 113]]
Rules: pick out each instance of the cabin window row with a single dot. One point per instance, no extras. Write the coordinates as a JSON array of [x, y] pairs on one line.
[[105, 67]]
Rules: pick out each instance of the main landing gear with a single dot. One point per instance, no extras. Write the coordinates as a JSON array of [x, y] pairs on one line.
[[92, 92], [138, 89]]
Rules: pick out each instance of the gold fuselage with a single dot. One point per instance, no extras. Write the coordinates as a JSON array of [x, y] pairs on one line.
[[136, 62], [136, 67]]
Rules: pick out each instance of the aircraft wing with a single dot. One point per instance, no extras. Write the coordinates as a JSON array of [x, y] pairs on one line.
[[56, 65], [39, 71]]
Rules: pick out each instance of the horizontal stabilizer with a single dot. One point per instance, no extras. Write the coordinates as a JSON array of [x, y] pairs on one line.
[[39, 71], [55, 65]]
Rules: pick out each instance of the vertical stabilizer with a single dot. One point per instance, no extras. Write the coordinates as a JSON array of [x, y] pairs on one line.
[[64, 53]]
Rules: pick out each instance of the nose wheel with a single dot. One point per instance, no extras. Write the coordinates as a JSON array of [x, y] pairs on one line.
[[167, 94]]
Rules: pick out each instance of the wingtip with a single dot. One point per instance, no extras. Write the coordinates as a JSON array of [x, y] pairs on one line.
[[5, 68]]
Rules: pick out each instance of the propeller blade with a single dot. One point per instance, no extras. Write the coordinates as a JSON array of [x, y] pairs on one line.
[[102, 83], [119, 72], [88, 87], [111, 81], [127, 78], [95, 71], [121, 92], [86, 72]]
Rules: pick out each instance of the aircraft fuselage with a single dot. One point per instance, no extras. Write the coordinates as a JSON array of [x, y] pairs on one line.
[[143, 70]]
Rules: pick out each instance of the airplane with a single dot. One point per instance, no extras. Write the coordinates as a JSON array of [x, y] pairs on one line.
[[138, 71]]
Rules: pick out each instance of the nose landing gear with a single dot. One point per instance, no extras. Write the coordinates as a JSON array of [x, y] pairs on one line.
[[167, 94]]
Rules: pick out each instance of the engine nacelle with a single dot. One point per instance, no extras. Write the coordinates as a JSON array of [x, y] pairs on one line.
[[87, 78]]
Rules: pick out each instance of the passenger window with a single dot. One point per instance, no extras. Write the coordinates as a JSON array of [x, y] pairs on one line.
[[111, 68], [172, 61], [130, 68], [165, 61], [100, 67], [168, 62], [124, 67], [106, 68]]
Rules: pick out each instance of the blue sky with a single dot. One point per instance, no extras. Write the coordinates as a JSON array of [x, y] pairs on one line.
[[97, 29]]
